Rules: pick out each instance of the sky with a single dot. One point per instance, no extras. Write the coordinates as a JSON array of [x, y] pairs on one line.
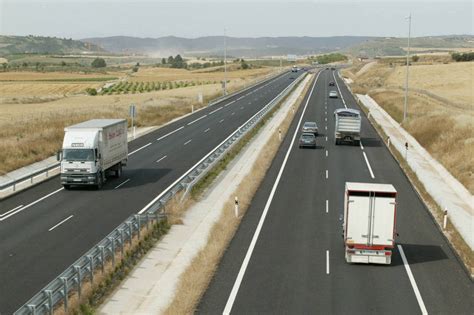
[[155, 18]]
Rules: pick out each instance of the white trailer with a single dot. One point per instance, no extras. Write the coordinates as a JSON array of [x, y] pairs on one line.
[[369, 222], [348, 124], [91, 150]]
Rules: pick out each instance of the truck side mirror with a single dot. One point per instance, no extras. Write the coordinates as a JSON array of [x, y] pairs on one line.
[[58, 156]]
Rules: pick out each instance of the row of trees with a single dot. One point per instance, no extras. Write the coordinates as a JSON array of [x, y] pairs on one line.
[[175, 62], [463, 56]]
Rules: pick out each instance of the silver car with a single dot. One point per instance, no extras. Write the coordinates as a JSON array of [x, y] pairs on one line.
[[310, 126], [307, 140], [333, 94]]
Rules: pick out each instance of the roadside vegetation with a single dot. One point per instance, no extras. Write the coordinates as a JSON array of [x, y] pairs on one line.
[[440, 108], [329, 58]]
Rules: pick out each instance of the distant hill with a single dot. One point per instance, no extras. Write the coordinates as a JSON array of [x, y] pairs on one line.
[[44, 45], [237, 47], [392, 46]]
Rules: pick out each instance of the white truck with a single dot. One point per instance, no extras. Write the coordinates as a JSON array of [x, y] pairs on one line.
[[348, 124], [369, 222], [92, 150]]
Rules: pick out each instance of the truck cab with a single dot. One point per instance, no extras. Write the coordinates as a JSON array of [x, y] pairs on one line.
[[91, 150]]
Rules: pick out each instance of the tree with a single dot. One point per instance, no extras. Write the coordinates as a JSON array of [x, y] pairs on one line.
[[163, 61], [91, 91], [98, 63], [135, 69], [63, 63], [170, 60], [244, 65], [415, 58]]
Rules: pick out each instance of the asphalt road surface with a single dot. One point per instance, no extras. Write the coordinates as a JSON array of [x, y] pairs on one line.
[[287, 256], [49, 227]]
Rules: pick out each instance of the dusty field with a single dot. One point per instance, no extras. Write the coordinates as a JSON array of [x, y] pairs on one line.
[[209, 74], [32, 131], [24, 87], [440, 110]]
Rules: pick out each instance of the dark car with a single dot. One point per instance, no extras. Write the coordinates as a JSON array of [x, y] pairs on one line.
[[308, 140], [332, 83]]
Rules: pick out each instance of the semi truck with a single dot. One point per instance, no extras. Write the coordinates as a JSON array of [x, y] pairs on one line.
[[93, 150], [348, 124], [369, 222]]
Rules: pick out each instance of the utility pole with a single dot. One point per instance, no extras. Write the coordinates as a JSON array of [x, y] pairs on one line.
[[405, 107], [225, 63]]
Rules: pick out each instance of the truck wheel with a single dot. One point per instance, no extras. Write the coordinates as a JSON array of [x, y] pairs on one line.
[[118, 172], [99, 181], [337, 141], [67, 187], [356, 142]]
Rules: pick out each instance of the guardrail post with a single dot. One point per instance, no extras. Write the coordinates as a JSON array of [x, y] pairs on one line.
[[130, 231], [137, 217], [65, 293], [32, 309], [102, 257], [91, 267], [121, 241], [112, 250], [49, 293], [79, 286]]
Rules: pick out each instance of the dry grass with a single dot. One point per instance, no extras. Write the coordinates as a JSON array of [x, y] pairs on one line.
[[197, 276], [209, 74], [56, 76], [32, 132], [439, 119]]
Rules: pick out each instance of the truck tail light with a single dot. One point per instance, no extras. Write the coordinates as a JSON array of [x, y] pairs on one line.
[[388, 253]]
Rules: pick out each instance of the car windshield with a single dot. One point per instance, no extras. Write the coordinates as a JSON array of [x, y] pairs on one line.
[[307, 136], [78, 154], [310, 124]]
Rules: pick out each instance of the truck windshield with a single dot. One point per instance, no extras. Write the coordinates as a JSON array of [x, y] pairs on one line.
[[78, 154]]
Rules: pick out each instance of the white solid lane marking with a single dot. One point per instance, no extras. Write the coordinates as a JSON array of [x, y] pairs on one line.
[[69, 217], [188, 141], [326, 152], [337, 84], [243, 268], [207, 130], [361, 146], [161, 159], [412, 281], [170, 133], [327, 174], [327, 206], [221, 121], [215, 110], [368, 165], [192, 122], [120, 185], [327, 262], [31, 204], [139, 149], [10, 211]]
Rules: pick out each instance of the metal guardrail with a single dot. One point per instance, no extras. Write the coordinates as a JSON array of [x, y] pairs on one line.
[[30, 176], [58, 291]]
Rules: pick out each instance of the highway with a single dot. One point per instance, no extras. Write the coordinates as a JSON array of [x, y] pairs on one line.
[[46, 228], [287, 256]]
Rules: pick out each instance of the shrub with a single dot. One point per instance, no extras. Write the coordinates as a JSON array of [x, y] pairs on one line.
[[91, 91], [415, 58], [98, 63]]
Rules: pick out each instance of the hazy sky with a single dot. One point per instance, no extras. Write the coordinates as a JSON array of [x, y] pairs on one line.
[[192, 18]]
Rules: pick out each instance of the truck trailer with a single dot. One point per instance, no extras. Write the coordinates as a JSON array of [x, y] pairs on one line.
[[348, 124], [92, 150], [369, 222]]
